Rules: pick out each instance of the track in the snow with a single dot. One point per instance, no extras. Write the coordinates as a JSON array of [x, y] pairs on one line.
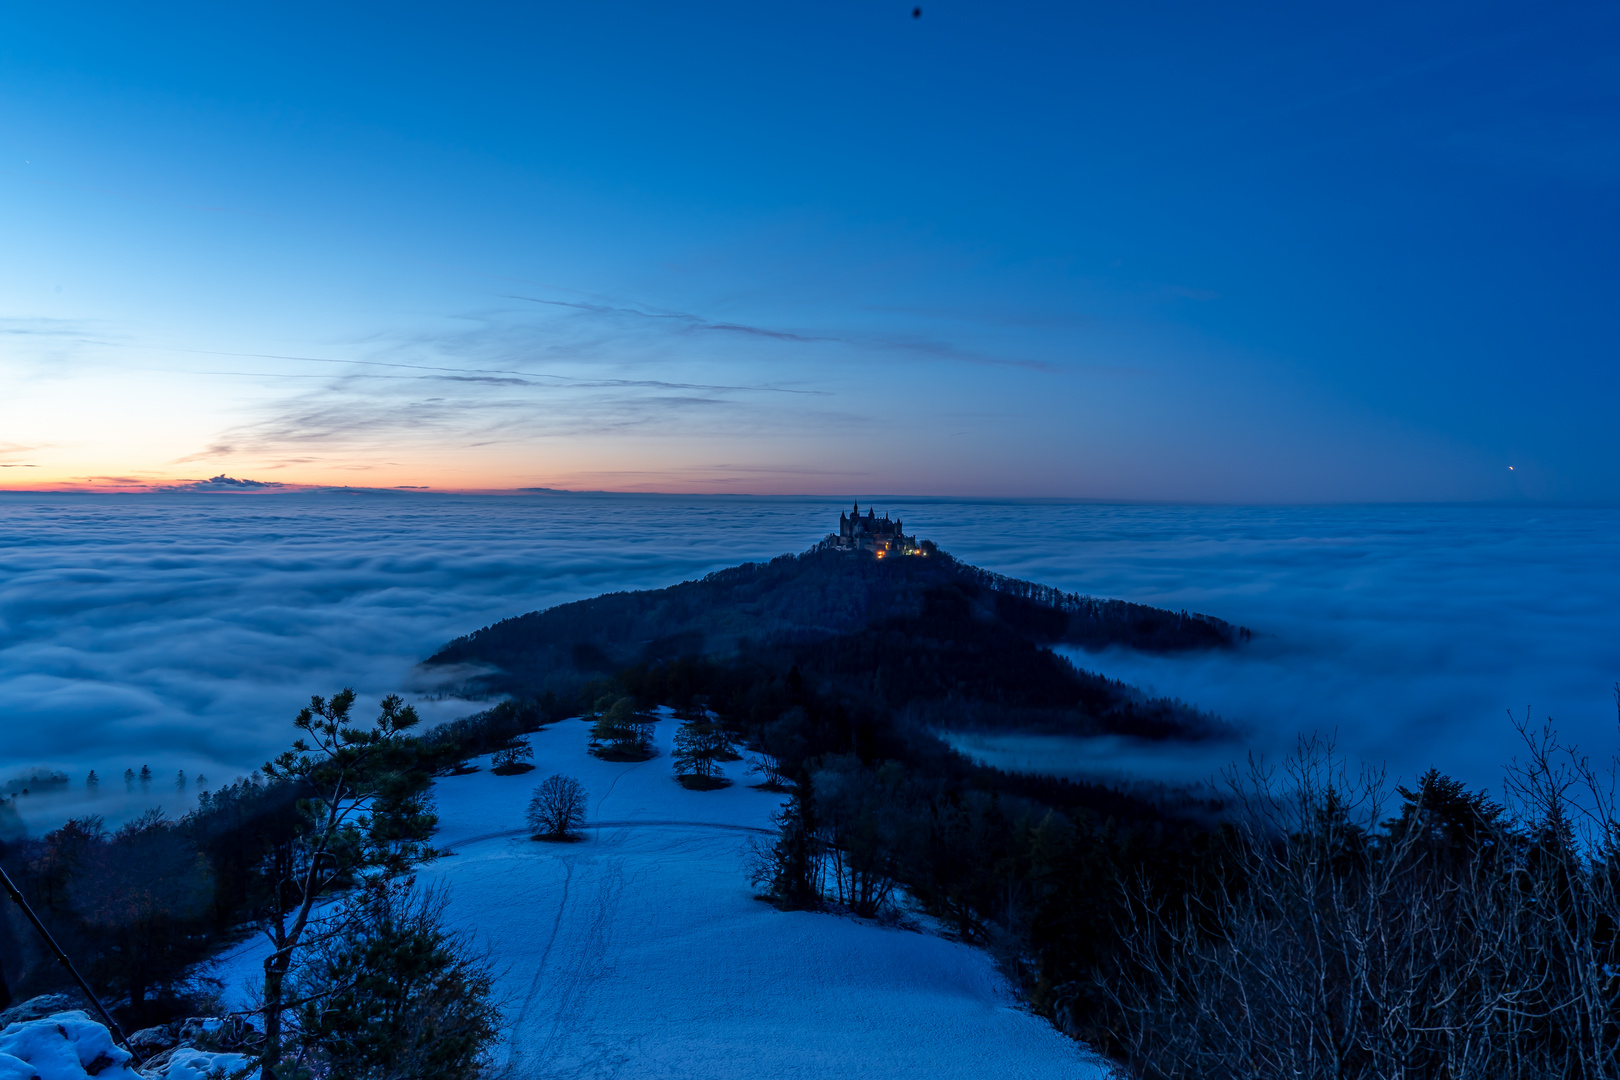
[[625, 825]]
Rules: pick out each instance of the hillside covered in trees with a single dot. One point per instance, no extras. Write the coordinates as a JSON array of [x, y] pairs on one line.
[[1307, 923], [946, 644]]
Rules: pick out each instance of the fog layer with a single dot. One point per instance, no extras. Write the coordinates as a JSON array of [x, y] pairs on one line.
[[183, 631]]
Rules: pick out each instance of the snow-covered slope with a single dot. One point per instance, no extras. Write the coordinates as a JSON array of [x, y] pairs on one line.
[[641, 951]]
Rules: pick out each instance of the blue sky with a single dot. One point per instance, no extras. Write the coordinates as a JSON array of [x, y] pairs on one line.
[[1153, 251]]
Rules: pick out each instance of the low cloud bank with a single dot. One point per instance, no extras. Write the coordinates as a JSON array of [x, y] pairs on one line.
[[225, 483], [184, 632], [1406, 633]]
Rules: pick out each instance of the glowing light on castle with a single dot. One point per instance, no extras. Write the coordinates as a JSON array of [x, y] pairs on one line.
[[880, 536]]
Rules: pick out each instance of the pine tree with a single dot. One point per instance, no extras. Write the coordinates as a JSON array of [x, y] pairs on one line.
[[397, 993], [92, 781], [146, 775], [129, 777], [796, 856], [366, 821]]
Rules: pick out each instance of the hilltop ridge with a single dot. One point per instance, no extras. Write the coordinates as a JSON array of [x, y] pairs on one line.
[[955, 645]]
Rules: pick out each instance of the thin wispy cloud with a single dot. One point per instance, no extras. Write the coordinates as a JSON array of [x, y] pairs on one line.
[[12, 455], [39, 326], [505, 376], [686, 322], [353, 416], [557, 367], [684, 319], [491, 376]]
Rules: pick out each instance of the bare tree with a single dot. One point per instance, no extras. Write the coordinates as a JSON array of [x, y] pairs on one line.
[[1459, 938], [701, 744], [558, 808], [857, 833]]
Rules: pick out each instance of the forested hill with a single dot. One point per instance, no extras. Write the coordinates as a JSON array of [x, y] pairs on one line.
[[954, 645]]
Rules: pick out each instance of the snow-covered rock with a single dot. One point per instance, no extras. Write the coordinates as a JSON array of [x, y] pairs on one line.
[[71, 1046], [37, 1008], [64, 1046], [219, 1033], [189, 1063], [152, 1040]]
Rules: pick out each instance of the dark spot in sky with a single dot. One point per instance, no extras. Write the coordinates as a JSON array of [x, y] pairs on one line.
[[916, 13]]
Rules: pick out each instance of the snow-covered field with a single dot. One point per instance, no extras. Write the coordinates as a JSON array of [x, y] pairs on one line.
[[641, 952]]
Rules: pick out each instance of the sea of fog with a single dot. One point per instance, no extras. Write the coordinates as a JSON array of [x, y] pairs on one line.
[[183, 632]]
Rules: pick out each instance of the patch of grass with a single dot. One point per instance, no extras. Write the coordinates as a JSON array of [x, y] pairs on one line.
[[513, 769]]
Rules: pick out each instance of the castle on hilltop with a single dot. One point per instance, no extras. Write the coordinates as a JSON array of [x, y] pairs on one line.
[[871, 533]]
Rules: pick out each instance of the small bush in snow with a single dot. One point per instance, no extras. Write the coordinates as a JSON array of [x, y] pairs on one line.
[[621, 733], [558, 808], [700, 745], [512, 759]]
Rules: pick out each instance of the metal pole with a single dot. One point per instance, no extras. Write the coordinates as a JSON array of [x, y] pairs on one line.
[[62, 958]]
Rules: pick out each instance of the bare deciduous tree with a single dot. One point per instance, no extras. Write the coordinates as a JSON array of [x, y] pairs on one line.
[[558, 807], [1457, 939]]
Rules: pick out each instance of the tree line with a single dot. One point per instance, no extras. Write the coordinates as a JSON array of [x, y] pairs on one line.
[[139, 904], [362, 978]]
